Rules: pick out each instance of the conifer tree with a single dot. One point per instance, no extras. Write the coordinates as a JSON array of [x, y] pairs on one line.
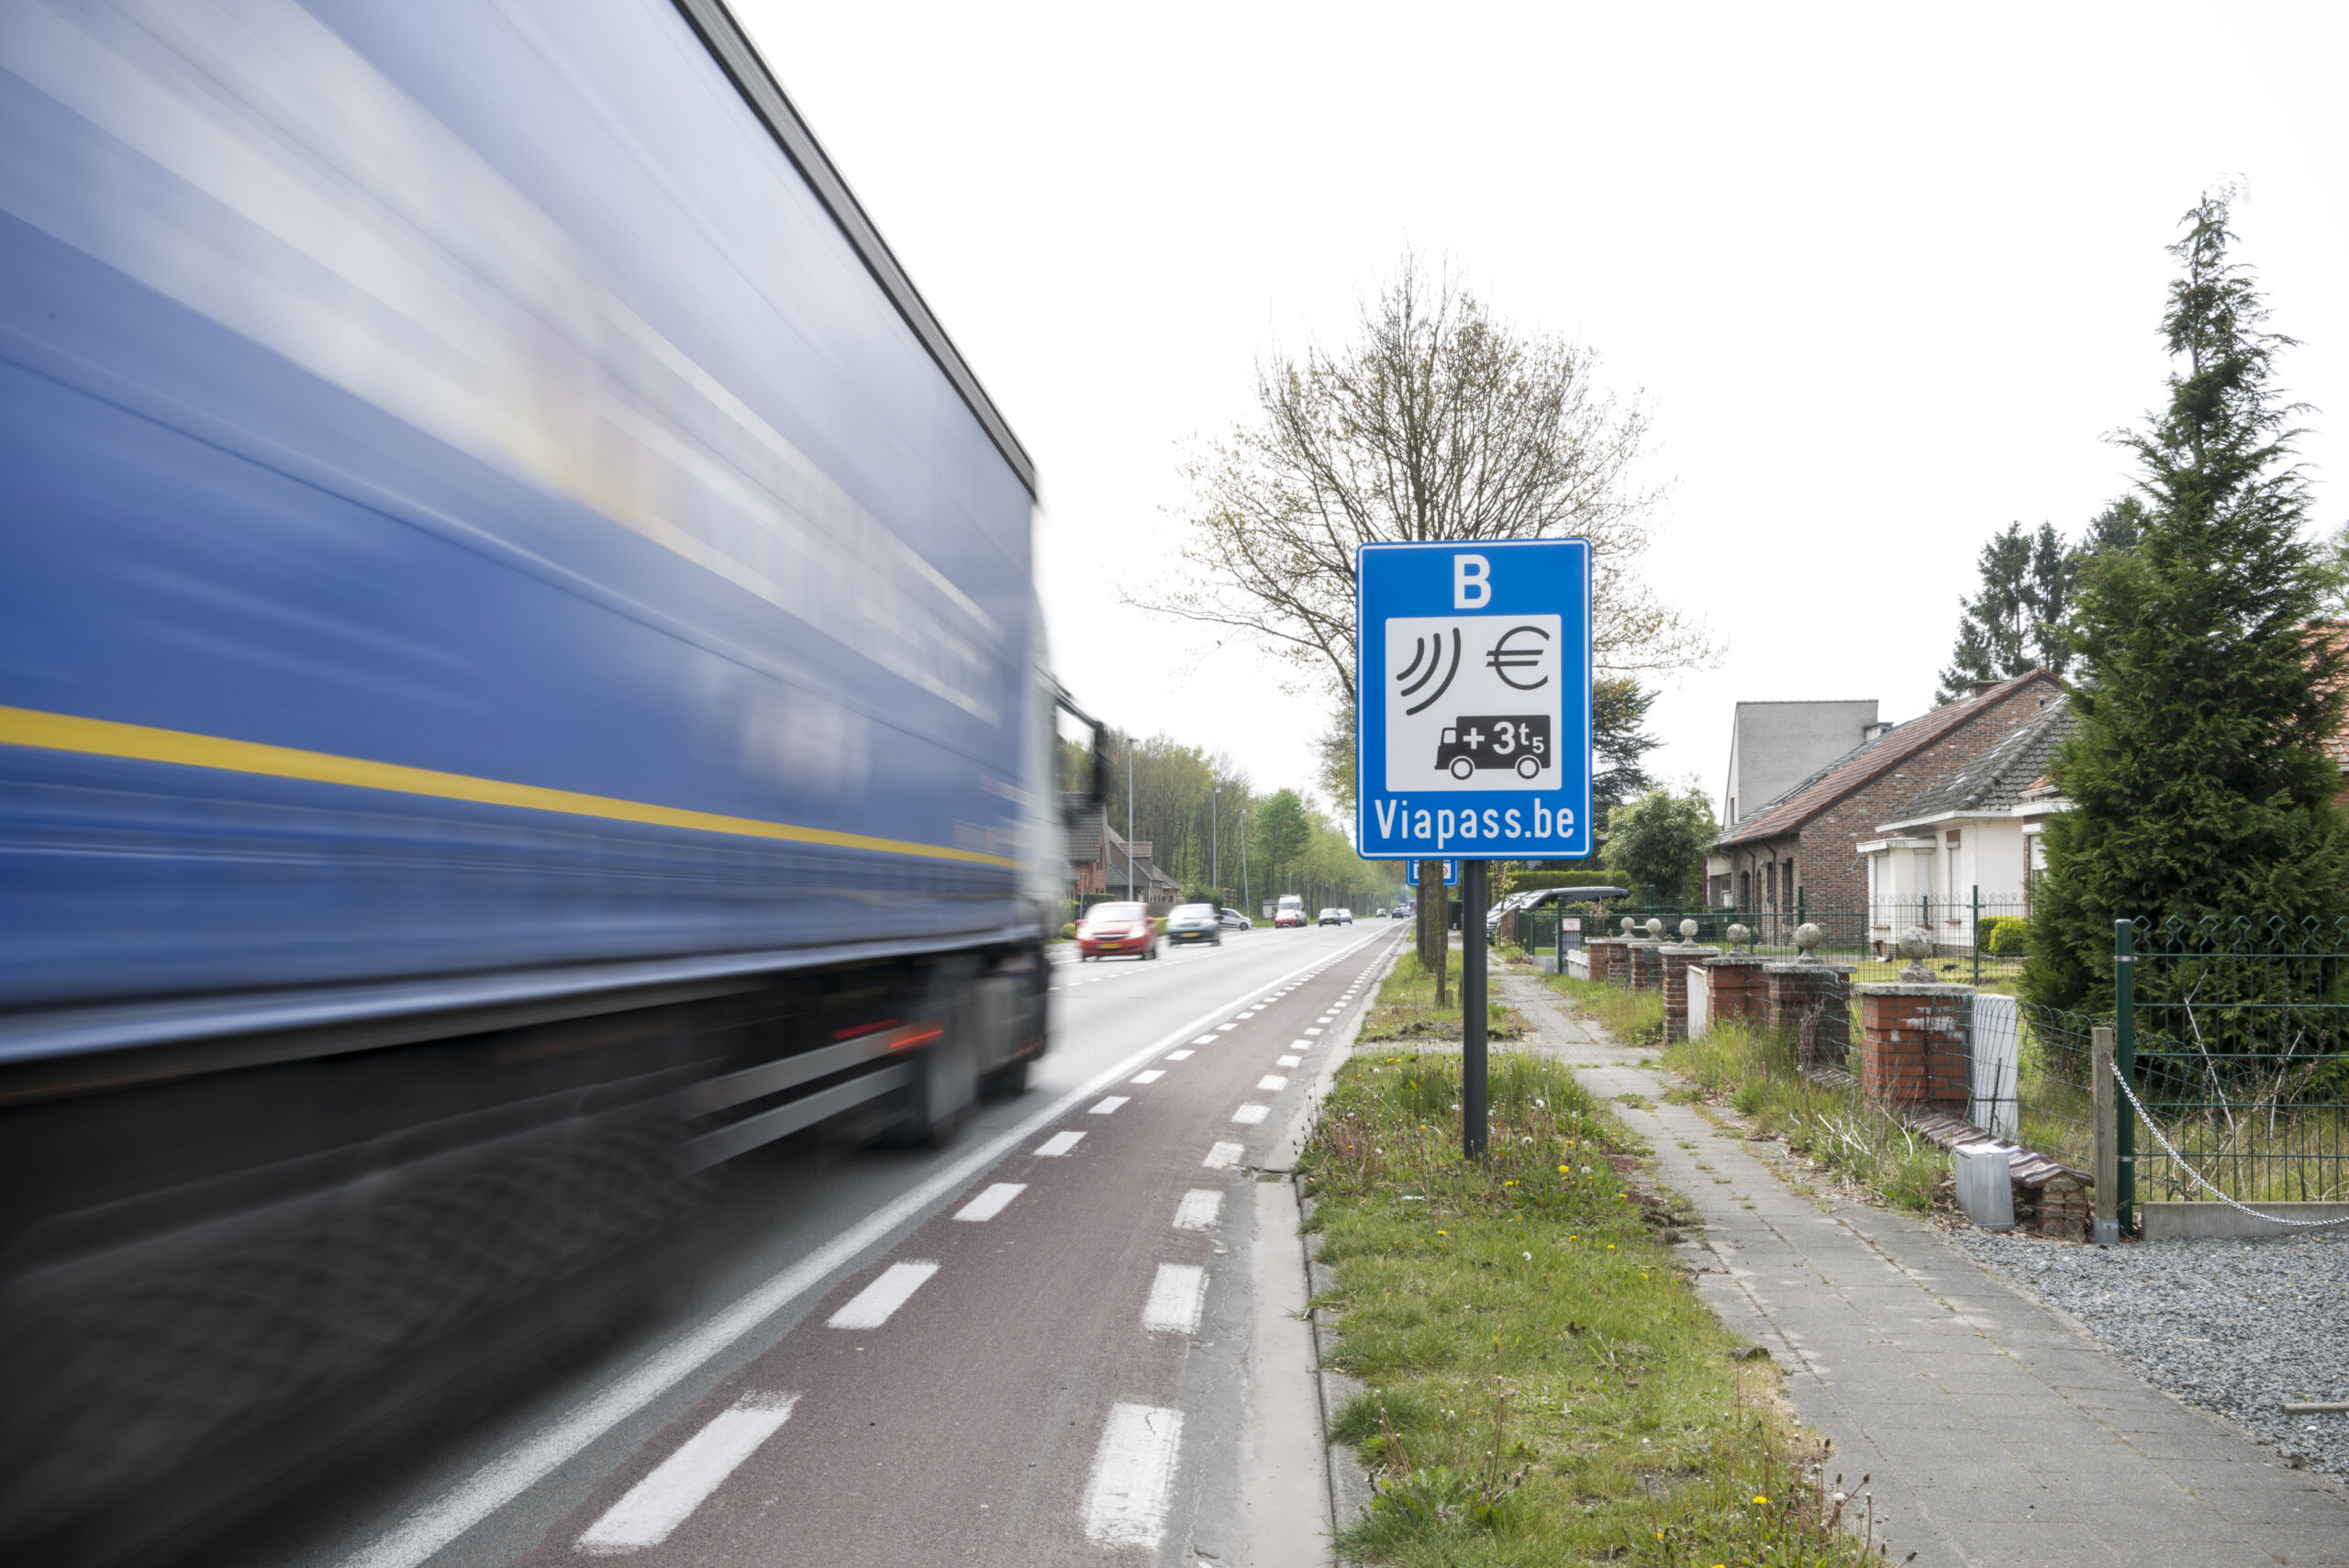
[[2198, 779], [2014, 624]]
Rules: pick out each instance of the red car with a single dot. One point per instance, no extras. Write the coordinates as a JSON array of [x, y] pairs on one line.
[[1116, 928]]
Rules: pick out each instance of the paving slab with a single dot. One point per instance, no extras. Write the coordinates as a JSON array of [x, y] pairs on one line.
[[1994, 1430]]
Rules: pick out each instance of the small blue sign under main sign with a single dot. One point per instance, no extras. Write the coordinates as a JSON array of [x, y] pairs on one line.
[[1412, 873], [1473, 700]]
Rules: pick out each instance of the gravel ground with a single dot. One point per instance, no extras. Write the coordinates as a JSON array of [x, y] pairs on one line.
[[2234, 1326]]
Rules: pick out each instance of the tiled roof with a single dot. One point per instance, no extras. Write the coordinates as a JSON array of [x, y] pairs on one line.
[[1867, 762], [2000, 776]]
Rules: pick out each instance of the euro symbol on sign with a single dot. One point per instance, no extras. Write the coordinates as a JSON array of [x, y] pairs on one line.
[[1503, 658]]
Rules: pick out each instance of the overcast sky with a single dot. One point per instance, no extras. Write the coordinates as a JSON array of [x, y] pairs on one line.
[[1883, 279]]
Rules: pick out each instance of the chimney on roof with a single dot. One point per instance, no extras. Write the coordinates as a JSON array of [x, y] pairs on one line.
[[1975, 688], [1874, 731]]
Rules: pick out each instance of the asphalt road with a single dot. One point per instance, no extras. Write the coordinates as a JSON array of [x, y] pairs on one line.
[[1023, 1347]]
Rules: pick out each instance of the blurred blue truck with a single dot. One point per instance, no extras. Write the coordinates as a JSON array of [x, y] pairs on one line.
[[521, 681]]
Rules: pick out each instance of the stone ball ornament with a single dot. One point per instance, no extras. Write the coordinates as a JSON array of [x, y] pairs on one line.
[[1738, 934], [1629, 925], [1807, 936], [1656, 929], [1687, 930], [1916, 946]]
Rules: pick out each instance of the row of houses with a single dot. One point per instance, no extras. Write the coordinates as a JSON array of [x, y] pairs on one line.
[[1828, 805]]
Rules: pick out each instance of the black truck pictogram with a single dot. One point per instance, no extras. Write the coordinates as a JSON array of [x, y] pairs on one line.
[[1496, 740]]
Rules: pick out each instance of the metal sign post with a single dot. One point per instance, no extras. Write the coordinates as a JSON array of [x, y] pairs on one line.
[[1473, 728]]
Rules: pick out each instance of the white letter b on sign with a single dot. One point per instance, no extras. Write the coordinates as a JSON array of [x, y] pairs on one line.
[[1472, 583]]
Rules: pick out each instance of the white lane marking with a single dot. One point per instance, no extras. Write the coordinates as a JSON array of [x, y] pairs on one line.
[[1152, 1076], [1058, 1143], [1133, 1471], [1222, 1156], [1288, 1061], [1178, 1056], [415, 1539], [1251, 1114], [1111, 1103], [1311, 1032], [1300, 1045], [1272, 1083], [872, 1306], [1176, 1298], [1200, 1208], [992, 1202], [1251, 1012], [1204, 1039], [1225, 1029], [656, 1506]]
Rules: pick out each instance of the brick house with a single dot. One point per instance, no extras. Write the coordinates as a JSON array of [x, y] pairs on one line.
[[1808, 841], [1099, 862]]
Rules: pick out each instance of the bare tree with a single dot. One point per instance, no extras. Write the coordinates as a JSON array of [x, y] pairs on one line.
[[1437, 422]]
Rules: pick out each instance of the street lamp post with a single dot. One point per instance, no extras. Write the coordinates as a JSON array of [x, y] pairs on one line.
[[1244, 864], [1215, 843], [1129, 820]]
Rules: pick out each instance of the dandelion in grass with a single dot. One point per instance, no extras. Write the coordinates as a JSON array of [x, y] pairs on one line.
[[1760, 1501]]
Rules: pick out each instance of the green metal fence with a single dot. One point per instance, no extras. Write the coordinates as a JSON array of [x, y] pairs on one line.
[[2231, 1033], [1970, 944]]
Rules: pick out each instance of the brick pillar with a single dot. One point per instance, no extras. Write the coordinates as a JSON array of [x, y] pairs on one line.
[[1678, 957], [1603, 950], [1810, 1003], [1913, 1047], [1646, 972], [1740, 996]]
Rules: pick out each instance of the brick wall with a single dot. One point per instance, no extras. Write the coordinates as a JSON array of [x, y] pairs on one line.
[[1810, 1002], [1913, 1047], [1739, 996], [1678, 959]]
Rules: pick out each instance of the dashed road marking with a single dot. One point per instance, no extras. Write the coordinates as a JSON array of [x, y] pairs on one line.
[[1288, 1061], [1204, 1039], [1222, 1156], [1312, 1031], [1176, 1298], [656, 1506], [1178, 1056], [1152, 1076], [1133, 1471], [1272, 1083], [1110, 1104], [1225, 1029], [1058, 1144], [1300, 1045], [877, 1302], [1200, 1208], [1250, 1115], [992, 1202]]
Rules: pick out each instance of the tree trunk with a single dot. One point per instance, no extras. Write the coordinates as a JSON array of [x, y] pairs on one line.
[[1435, 937]]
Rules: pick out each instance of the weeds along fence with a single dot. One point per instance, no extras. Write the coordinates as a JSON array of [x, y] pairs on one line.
[[1977, 941]]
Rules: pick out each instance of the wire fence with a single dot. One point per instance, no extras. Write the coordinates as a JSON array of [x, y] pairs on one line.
[[1979, 940], [2231, 1035]]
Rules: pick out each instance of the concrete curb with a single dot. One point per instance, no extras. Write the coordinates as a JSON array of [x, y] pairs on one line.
[[1349, 1490]]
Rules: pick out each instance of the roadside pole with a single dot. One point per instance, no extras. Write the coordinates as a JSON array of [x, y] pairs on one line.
[[2124, 1063], [1472, 1009], [2108, 1163]]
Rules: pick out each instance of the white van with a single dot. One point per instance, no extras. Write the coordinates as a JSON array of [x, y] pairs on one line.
[[1291, 911]]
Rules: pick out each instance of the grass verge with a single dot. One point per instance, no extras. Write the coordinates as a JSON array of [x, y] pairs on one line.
[[1543, 1385], [1753, 1073], [1635, 1018], [1405, 1007]]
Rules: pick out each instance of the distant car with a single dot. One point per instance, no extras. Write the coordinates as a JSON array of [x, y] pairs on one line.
[[1233, 920], [1331, 918], [1290, 914], [1116, 928], [1345, 916], [1194, 923]]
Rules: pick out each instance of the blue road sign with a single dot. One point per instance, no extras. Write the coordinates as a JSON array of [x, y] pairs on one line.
[[1412, 873], [1473, 700]]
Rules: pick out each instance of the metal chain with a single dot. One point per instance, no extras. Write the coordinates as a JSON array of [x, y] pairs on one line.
[[2171, 1149]]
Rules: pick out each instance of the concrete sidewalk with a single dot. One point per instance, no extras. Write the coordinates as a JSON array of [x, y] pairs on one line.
[[1997, 1433]]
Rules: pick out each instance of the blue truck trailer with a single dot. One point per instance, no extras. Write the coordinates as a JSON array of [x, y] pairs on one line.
[[521, 681]]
